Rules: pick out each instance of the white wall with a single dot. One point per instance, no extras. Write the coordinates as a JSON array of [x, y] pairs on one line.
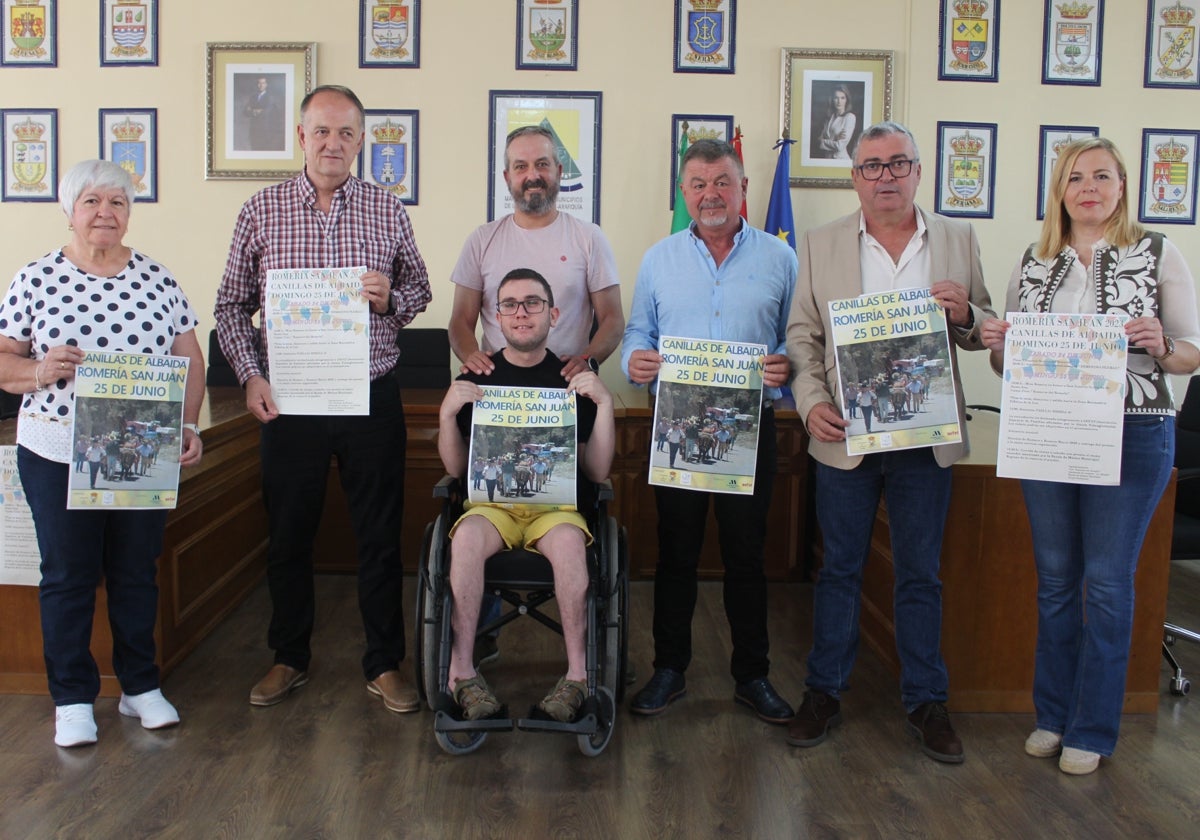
[[625, 51]]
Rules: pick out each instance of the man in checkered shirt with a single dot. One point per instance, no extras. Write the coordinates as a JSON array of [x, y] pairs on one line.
[[326, 218]]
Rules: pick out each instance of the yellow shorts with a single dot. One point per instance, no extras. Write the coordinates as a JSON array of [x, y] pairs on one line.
[[523, 528]]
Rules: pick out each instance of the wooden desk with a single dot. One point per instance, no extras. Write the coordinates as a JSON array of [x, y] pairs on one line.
[[634, 506], [213, 554], [788, 521], [989, 594]]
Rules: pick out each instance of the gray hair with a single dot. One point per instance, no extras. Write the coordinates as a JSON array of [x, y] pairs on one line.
[[885, 129], [711, 151], [529, 131], [103, 174]]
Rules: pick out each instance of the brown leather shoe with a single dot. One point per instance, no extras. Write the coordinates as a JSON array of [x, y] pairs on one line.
[[398, 696], [929, 723], [279, 682], [818, 713]]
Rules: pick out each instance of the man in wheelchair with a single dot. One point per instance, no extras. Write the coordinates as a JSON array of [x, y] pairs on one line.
[[526, 311]]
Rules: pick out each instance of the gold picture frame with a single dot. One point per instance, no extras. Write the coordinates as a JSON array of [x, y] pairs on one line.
[[252, 107], [812, 80]]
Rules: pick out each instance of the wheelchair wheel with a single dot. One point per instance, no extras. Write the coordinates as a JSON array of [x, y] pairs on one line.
[[429, 596], [460, 743], [420, 663], [606, 718], [616, 641]]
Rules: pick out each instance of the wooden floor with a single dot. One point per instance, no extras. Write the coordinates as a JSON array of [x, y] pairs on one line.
[[332, 763]]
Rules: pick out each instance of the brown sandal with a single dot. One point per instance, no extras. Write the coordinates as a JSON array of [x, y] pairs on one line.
[[564, 701], [475, 698]]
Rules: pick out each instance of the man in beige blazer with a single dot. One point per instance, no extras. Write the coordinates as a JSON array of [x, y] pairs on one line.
[[889, 244]]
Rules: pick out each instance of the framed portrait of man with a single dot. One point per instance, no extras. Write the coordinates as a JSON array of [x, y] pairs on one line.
[[253, 106]]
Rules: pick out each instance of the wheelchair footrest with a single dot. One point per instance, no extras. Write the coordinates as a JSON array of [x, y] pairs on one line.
[[585, 723], [499, 722]]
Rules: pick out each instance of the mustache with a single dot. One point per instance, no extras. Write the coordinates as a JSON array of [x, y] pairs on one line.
[[713, 204], [539, 183]]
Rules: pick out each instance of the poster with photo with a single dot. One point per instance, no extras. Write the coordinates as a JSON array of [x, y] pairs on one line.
[[525, 443], [894, 371], [706, 415], [129, 416]]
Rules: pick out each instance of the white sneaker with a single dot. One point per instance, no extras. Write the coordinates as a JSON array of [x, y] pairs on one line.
[[1043, 743], [151, 707], [1078, 762], [74, 725]]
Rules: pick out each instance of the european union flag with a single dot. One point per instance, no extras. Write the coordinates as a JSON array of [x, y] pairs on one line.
[[779, 209]]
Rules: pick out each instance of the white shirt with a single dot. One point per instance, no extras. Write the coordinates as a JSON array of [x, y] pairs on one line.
[[880, 274]]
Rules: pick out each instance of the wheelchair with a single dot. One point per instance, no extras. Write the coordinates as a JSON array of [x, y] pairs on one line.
[[524, 581]]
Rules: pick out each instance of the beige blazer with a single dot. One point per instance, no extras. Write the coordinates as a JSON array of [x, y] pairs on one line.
[[829, 270]]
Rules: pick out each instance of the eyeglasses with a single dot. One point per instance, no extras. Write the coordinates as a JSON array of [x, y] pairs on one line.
[[533, 306], [873, 170]]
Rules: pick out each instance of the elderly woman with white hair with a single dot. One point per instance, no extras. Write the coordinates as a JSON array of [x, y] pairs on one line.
[[94, 293]]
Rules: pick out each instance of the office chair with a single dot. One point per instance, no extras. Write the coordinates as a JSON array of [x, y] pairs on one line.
[[1185, 540]]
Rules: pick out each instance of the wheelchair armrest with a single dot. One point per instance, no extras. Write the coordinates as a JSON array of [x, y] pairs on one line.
[[604, 491], [447, 488]]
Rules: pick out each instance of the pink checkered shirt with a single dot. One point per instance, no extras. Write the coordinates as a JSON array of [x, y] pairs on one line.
[[280, 227]]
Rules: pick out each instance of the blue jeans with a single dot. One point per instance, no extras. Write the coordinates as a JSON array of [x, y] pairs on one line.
[[1086, 542], [918, 496], [79, 547]]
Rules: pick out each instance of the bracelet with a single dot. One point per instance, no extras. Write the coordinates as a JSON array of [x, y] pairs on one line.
[[37, 380]]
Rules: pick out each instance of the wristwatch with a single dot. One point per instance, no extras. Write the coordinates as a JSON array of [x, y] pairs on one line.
[[1170, 343], [193, 428]]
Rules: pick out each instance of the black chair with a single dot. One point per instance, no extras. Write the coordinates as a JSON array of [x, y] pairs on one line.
[[424, 358], [219, 372], [10, 404], [1185, 539]]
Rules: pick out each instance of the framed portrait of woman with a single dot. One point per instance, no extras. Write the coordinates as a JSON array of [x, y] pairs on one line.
[[829, 98]]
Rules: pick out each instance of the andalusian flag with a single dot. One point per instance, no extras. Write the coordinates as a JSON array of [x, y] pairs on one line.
[[681, 219], [779, 208], [737, 147]]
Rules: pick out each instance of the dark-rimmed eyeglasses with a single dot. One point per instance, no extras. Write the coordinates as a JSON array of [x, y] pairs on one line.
[[872, 170], [533, 306]]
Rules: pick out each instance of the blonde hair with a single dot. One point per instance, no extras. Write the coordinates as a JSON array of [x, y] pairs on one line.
[[1119, 230]]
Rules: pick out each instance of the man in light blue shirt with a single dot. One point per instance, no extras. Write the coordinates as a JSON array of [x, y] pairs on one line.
[[720, 279]]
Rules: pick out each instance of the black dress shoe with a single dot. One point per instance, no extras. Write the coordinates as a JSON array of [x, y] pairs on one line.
[[664, 688], [762, 697]]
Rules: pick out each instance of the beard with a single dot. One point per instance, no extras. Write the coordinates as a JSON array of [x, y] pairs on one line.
[[713, 221], [537, 204]]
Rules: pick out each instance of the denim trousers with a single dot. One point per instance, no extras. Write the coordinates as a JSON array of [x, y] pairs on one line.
[[296, 451], [1086, 542], [917, 491], [80, 548], [742, 529]]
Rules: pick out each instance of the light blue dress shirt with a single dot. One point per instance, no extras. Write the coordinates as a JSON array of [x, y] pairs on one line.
[[682, 292]]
